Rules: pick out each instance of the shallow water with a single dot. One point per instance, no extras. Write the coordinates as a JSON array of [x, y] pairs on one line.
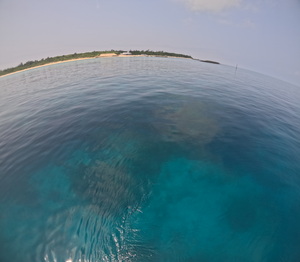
[[148, 159]]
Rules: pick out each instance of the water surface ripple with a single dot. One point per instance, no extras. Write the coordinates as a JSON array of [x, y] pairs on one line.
[[147, 160]]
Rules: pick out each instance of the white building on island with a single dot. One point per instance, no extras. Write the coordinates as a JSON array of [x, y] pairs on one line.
[[126, 53]]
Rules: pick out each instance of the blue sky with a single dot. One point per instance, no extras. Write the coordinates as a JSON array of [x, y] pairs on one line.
[[260, 35]]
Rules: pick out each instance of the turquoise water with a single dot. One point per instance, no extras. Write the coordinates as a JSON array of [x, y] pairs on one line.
[[148, 159]]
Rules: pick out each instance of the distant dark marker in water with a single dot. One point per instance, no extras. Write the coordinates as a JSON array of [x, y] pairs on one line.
[[148, 159]]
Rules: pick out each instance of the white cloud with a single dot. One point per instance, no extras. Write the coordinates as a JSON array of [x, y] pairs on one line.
[[210, 5]]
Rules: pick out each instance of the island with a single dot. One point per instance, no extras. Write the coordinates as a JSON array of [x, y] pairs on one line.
[[208, 61], [91, 55]]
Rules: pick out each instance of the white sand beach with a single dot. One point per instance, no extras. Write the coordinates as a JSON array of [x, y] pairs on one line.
[[47, 65]]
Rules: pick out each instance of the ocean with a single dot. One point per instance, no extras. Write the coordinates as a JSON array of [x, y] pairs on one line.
[[147, 159]]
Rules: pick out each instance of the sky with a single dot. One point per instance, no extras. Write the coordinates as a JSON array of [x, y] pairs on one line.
[[260, 35]]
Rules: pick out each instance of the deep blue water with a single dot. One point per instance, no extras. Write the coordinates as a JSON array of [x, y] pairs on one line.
[[148, 159]]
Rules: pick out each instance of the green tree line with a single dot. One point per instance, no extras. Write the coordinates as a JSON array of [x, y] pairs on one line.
[[157, 53]]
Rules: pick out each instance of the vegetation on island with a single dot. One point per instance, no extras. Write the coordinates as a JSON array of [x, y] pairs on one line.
[[94, 54], [55, 59], [157, 53], [208, 61]]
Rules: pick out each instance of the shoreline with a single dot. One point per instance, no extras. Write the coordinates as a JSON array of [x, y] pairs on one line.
[[85, 58], [59, 62]]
